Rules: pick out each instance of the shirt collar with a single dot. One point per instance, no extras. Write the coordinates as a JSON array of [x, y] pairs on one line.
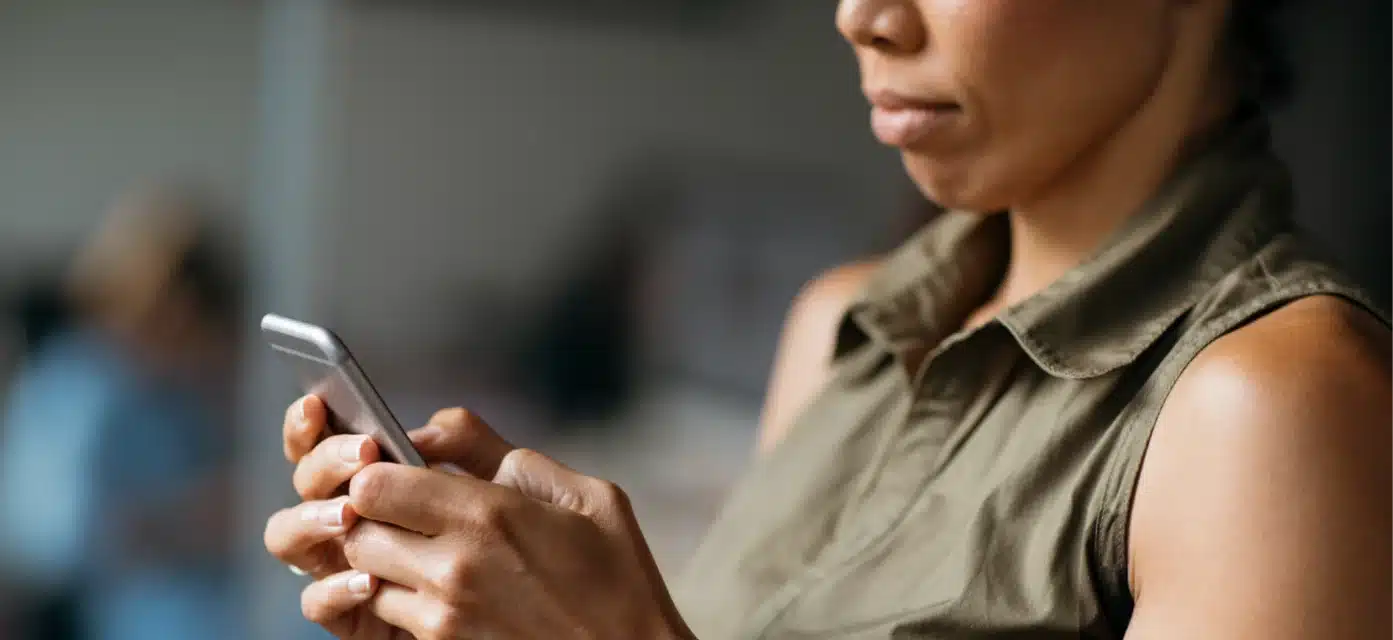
[[1224, 202]]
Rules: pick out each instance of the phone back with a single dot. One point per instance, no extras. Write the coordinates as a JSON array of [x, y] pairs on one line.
[[323, 366]]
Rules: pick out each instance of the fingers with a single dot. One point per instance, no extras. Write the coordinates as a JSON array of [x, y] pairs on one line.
[[304, 423], [328, 601], [391, 553], [419, 500], [541, 478], [460, 437], [422, 616], [331, 463], [295, 535]]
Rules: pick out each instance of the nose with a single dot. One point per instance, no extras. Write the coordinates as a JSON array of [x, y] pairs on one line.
[[893, 27]]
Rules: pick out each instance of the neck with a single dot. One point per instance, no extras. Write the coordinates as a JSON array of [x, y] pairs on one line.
[[1066, 223]]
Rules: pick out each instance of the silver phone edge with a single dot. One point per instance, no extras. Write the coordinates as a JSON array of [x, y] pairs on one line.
[[329, 346], [336, 354], [394, 438]]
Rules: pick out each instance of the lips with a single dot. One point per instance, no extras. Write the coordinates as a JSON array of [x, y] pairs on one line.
[[902, 121]]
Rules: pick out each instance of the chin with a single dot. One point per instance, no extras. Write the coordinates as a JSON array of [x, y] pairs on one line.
[[960, 185]]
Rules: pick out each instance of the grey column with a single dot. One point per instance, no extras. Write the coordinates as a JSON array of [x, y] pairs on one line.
[[293, 180]]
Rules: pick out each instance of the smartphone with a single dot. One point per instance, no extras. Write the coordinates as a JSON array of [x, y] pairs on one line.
[[324, 367]]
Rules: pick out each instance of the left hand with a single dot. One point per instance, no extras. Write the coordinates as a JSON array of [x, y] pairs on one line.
[[541, 552]]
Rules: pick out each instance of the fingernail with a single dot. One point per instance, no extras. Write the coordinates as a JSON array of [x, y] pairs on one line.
[[332, 514], [300, 417], [360, 584], [352, 450]]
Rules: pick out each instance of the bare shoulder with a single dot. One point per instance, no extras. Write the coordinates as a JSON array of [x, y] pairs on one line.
[[803, 361], [1316, 357], [1265, 489], [827, 296]]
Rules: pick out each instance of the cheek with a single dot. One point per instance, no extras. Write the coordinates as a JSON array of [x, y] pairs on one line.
[[989, 43], [1043, 80]]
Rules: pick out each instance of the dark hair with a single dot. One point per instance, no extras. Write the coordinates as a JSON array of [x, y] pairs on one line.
[[207, 273], [40, 309], [1257, 52]]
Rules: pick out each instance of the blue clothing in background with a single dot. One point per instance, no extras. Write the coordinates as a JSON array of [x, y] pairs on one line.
[[89, 437], [57, 410]]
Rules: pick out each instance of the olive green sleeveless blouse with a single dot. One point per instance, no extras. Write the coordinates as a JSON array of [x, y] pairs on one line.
[[977, 483]]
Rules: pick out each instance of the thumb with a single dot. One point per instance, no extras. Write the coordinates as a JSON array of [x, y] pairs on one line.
[[460, 438]]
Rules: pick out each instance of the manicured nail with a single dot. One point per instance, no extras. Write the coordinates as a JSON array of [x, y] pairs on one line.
[[332, 514], [352, 450], [360, 584]]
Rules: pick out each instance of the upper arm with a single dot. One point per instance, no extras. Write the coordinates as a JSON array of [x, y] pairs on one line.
[[803, 360], [1263, 505]]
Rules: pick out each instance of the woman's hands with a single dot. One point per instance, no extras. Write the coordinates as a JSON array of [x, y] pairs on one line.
[[309, 536], [540, 552]]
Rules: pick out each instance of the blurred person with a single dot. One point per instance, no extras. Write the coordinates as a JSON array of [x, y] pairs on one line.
[[38, 311], [1109, 395], [115, 469]]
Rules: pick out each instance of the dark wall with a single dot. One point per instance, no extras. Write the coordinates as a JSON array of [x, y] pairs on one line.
[[1336, 135]]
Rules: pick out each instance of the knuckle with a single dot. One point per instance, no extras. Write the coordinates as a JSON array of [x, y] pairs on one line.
[[606, 492], [604, 497], [446, 623], [455, 577], [523, 457], [515, 463], [369, 486], [492, 516], [465, 425], [314, 475], [353, 546], [508, 467], [453, 417]]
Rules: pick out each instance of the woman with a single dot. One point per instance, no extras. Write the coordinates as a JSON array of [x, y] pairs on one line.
[[955, 434]]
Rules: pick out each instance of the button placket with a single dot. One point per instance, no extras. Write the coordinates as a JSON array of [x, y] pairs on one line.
[[899, 489], [943, 379], [938, 396]]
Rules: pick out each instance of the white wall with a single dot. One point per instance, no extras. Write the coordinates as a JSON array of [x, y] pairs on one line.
[[96, 96], [475, 144]]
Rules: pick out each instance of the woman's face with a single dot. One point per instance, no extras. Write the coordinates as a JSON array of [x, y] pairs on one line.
[[990, 100]]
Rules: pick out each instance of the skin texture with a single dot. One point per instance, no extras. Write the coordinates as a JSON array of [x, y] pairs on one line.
[[1262, 510], [1072, 111], [1263, 506], [1014, 68], [514, 546]]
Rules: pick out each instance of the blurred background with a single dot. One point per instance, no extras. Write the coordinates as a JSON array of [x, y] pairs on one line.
[[585, 224]]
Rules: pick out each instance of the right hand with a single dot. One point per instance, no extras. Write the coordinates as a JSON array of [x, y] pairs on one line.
[[309, 536]]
